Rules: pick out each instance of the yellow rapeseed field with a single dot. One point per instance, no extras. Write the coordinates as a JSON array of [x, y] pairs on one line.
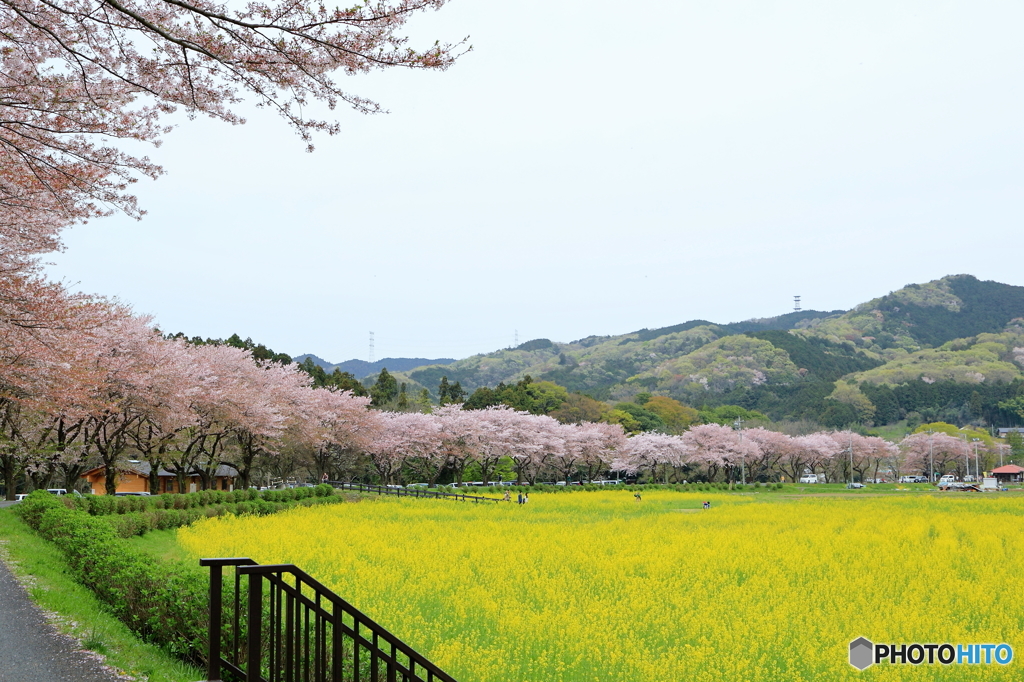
[[598, 587]]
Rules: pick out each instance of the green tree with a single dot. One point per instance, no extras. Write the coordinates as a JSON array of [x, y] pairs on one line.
[[677, 417], [423, 400], [647, 420], [403, 399], [385, 390], [579, 408], [624, 419], [1016, 443], [1015, 405]]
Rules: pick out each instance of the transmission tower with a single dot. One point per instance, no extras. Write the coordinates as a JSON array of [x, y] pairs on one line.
[[516, 344], [371, 348], [796, 304]]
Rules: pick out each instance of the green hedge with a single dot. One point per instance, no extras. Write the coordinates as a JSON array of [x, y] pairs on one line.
[[136, 515], [163, 602], [106, 505]]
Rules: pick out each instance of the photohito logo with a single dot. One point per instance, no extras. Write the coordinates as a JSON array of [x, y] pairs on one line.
[[864, 653]]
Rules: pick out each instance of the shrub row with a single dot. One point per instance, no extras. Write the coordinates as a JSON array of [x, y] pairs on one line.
[[163, 602], [139, 523], [106, 505]]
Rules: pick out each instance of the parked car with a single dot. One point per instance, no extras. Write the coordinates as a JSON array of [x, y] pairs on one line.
[[20, 496], [140, 494], [947, 478], [57, 491], [809, 478], [418, 485], [854, 486]]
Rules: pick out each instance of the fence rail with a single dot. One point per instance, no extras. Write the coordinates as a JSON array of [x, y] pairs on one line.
[[299, 631], [411, 492]]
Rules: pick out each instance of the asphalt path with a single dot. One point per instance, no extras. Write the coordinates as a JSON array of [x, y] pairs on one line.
[[31, 649]]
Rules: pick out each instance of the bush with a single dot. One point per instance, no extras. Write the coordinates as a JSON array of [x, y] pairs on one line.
[[164, 603]]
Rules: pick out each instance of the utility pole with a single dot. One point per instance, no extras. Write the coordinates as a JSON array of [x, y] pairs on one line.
[[931, 456], [851, 458], [967, 456], [743, 460], [796, 304]]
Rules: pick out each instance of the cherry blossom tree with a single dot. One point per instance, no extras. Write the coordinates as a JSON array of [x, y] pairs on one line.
[[808, 453], [405, 437], [651, 451], [598, 444], [938, 452], [343, 427], [716, 447], [773, 448], [77, 77], [515, 434], [461, 433]]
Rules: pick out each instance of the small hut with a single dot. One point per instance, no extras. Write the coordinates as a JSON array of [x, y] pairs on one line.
[[1010, 473]]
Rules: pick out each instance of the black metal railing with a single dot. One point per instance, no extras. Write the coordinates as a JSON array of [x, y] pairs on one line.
[[297, 630], [411, 492]]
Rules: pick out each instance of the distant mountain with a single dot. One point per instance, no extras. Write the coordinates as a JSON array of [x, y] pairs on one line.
[[951, 349], [602, 365], [361, 368], [928, 315]]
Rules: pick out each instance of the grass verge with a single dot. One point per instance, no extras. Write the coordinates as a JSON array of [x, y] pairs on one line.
[[40, 566]]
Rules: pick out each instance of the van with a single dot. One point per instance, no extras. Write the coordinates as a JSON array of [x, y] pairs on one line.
[[809, 478], [948, 478]]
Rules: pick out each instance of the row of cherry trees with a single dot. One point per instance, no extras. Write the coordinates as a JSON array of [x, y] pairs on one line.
[[118, 389], [421, 447], [710, 450]]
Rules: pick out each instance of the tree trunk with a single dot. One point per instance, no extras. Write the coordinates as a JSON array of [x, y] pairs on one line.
[[10, 468]]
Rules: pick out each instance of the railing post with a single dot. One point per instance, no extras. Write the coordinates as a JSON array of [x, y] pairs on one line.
[[213, 655], [253, 664], [337, 643]]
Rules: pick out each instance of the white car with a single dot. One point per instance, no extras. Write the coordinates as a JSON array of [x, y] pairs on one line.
[[948, 478], [809, 478]]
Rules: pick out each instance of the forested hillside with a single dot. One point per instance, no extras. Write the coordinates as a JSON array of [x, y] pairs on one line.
[[951, 349]]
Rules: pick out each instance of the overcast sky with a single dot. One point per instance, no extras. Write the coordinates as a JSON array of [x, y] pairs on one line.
[[594, 168]]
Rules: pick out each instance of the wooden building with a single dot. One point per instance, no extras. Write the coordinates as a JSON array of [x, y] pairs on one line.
[[134, 478], [1011, 473]]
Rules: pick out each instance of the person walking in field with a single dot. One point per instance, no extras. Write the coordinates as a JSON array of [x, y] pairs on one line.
[[636, 496], [526, 498], [508, 498], [519, 498]]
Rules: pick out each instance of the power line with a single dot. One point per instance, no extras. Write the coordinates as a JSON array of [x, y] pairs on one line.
[[796, 304]]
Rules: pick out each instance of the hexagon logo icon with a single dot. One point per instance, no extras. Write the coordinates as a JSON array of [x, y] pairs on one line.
[[861, 653]]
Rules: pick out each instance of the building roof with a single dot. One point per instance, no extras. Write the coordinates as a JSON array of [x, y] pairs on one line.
[[143, 468], [1008, 469]]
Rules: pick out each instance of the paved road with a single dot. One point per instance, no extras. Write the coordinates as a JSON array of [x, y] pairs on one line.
[[5, 503], [30, 649]]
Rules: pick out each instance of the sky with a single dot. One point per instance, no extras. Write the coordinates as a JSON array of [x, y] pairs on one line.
[[592, 168]]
